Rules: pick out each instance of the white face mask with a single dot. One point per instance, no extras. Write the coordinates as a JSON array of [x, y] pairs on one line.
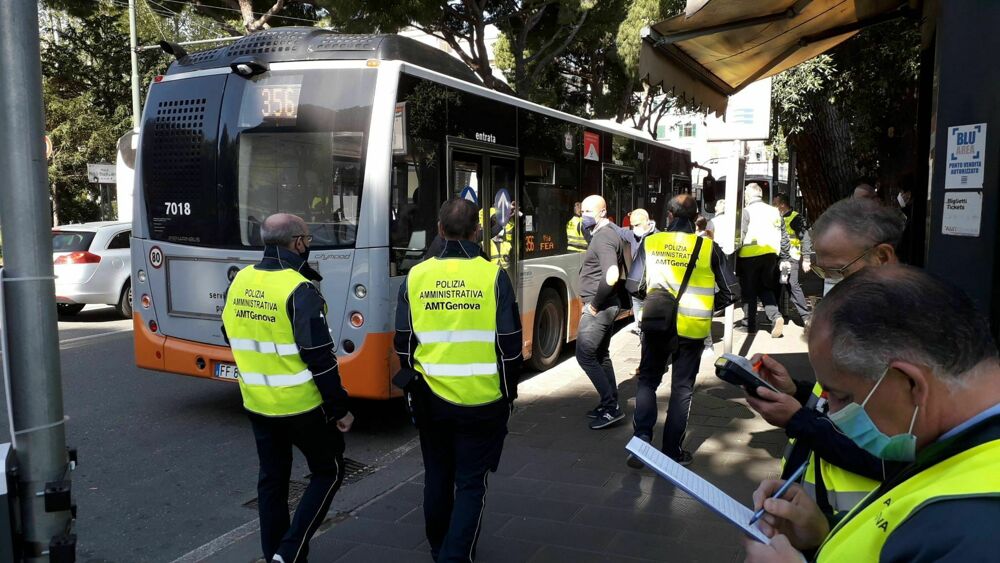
[[901, 200]]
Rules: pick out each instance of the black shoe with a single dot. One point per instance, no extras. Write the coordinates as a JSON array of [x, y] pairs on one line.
[[633, 461], [594, 412], [685, 458], [607, 418]]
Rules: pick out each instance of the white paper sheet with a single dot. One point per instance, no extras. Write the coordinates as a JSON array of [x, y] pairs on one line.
[[700, 489]]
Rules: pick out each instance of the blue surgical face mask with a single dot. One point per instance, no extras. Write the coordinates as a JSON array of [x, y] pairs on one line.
[[588, 223], [855, 423]]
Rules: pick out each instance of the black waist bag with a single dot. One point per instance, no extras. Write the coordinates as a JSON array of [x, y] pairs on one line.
[[659, 309]]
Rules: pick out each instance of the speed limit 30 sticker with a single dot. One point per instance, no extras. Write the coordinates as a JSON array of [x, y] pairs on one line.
[[155, 257]]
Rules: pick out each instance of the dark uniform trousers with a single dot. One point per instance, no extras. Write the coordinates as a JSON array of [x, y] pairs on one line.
[[652, 365], [758, 280], [460, 446], [322, 444]]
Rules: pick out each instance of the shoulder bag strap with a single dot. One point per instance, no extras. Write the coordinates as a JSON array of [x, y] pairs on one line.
[[690, 267]]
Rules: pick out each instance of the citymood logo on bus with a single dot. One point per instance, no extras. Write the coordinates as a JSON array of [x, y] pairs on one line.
[[155, 257]]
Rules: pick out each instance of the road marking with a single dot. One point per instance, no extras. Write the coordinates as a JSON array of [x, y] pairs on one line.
[[93, 336], [233, 536], [220, 543]]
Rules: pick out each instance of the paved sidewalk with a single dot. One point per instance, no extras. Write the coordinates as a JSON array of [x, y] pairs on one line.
[[563, 491]]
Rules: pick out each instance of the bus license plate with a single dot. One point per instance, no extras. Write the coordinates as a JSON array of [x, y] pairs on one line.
[[227, 371]]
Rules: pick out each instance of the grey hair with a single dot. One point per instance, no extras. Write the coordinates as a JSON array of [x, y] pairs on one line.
[[280, 229], [881, 315], [754, 191], [863, 219], [720, 206]]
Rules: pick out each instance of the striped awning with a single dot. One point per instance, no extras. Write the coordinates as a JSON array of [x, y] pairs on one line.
[[718, 47]]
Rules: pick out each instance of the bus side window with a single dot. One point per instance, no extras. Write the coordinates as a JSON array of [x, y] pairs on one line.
[[413, 204], [551, 209]]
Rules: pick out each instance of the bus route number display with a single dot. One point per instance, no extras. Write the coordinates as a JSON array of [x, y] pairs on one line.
[[272, 103]]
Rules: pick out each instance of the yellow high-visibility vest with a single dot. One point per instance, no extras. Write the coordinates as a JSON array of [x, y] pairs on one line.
[[667, 257], [795, 244], [454, 310], [574, 235], [274, 381], [843, 489], [861, 535]]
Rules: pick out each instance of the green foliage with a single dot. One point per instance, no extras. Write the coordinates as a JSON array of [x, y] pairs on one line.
[[796, 91], [87, 88], [641, 13], [871, 80]]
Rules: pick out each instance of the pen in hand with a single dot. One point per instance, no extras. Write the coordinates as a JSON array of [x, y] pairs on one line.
[[781, 490]]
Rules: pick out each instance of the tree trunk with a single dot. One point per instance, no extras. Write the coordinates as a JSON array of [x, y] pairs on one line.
[[824, 160]]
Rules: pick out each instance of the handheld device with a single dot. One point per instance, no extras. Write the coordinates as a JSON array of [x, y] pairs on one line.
[[739, 371]]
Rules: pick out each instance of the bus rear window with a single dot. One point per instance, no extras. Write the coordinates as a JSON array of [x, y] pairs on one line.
[[216, 166], [301, 150]]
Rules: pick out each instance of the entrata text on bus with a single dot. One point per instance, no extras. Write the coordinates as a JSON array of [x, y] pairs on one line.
[[364, 137]]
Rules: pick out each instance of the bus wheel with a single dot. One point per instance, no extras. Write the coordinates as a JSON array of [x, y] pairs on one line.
[[550, 329]]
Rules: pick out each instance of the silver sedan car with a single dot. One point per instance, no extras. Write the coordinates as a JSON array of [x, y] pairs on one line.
[[92, 263]]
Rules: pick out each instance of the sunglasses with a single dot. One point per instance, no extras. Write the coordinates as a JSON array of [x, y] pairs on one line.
[[837, 273]]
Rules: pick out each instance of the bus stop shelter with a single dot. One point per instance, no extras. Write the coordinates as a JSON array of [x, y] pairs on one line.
[[718, 47]]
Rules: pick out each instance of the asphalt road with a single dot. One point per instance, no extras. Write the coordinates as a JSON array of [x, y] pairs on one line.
[[167, 462]]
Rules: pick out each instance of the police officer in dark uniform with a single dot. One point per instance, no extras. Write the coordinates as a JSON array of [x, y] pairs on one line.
[[458, 337], [275, 323]]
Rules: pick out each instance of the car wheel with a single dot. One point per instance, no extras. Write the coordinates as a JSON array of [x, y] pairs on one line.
[[124, 306], [68, 309], [549, 331]]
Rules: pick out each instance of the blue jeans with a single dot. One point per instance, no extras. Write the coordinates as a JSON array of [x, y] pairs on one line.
[[593, 341]]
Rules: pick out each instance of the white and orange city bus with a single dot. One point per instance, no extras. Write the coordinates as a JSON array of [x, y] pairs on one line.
[[363, 137]]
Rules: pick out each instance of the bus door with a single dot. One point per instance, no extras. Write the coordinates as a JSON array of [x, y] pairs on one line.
[[487, 176], [618, 186]]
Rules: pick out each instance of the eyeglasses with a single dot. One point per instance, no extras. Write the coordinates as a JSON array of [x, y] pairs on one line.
[[838, 273], [305, 238]]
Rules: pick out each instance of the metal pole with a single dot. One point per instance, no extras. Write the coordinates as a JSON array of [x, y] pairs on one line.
[[28, 286], [793, 187], [774, 178], [133, 43], [734, 183]]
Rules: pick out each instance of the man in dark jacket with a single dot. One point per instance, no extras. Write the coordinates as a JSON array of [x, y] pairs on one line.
[[601, 292], [667, 261], [458, 337], [275, 322], [797, 253]]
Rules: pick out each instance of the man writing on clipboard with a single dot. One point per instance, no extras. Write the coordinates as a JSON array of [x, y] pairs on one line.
[[927, 391]]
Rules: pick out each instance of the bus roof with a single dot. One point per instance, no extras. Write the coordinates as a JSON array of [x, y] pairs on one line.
[[283, 44], [287, 44]]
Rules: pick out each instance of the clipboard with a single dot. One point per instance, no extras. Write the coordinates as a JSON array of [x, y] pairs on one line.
[[701, 490]]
